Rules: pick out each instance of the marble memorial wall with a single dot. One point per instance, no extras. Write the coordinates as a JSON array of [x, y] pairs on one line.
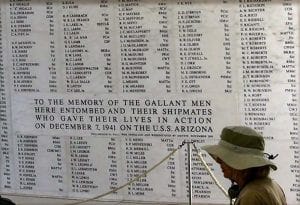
[[95, 92]]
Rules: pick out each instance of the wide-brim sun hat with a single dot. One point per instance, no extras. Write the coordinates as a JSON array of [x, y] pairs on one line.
[[241, 148]]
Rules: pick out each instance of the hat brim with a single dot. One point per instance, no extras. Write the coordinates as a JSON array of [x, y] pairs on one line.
[[238, 160]]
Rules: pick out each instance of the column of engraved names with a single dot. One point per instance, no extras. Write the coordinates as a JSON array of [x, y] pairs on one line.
[[136, 164], [27, 153], [227, 73], [191, 55], [78, 72], [21, 16], [164, 48], [257, 68], [6, 177], [202, 183], [113, 165], [52, 67], [56, 166], [171, 167], [81, 165], [105, 25], [290, 68], [134, 44]]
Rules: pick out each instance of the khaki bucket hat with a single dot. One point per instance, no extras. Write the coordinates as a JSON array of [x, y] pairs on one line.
[[240, 147]]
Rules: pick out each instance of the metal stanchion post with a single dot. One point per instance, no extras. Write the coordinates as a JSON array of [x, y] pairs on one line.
[[189, 144]]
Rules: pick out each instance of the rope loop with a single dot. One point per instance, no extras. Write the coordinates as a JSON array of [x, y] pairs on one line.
[[129, 182]]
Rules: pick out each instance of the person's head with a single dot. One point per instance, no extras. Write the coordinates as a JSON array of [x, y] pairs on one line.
[[240, 153], [244, 175]]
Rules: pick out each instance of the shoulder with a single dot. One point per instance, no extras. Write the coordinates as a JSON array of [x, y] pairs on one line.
[[250, 194], [261, 192]]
